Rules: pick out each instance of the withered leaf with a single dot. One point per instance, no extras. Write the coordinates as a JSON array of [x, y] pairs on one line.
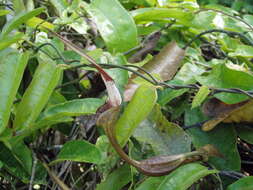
[[227, 113], [166, 64]]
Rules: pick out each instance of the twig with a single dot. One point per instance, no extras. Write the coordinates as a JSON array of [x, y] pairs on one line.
[[60, 183], [155, 82], [73, 81], [247, 162], [35, 160], [232, 174], [193, 126], [244, 38]]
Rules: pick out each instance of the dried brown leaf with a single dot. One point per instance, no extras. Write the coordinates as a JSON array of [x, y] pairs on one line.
[[166, 64], [227, 113]]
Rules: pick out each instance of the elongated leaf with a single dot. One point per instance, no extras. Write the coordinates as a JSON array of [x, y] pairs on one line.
[[115, 25], [18, 20], [245, 183], [183, 177], [117, 179], [136, 111], [200, 96], [36, 96], [161, 14], [70, 108], [79, 151], [12, 66], [7, 41]]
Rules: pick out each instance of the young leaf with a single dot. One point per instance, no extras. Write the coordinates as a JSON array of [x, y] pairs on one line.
[[12, 66], [161, 14], [183, 177], [245, 183], [114, 23], [44, 81], [200, 96], [18, 20], [144, 98], [117, 179], [79, 151]]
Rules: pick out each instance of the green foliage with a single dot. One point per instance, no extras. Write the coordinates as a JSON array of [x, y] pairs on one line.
[[79, 151], [51, 98], [245, 183], [119, 34]]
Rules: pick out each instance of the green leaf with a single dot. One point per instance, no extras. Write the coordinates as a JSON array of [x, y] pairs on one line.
[[18, 6], [40, 23], [224, 138], [36, 96], [200, 96], [120, 76], [144, 98], [183, 177], [242, 51], [59, 5], [186, 75], [245, 183], [228, 76], [166, 95], [115, 25], [70, 108], [4, 12], [12, 66], [151, 183], [8, 40], [117, 179], [161, 14], [12, 164], [24, 155], [165, 138], [79, 151], [18, 20]]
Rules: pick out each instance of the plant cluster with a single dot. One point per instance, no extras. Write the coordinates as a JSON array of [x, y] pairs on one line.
[[126, 94]]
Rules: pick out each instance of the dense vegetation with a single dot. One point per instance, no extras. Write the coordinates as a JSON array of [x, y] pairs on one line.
[[126, 94]]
